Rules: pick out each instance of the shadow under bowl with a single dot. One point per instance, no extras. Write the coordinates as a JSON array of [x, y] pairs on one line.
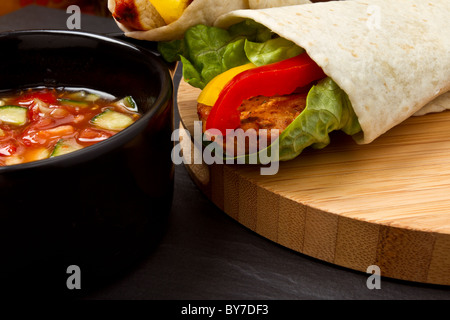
[[101, 208]]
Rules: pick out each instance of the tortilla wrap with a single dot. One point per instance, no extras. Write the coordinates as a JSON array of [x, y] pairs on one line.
[[261, 4], [136, 14], [392, 58], [439, 104], [198, 12]]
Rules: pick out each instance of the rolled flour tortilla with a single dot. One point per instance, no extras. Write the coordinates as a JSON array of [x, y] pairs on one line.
[[392, 58], [439, 104], [261, 4], [198, 12]]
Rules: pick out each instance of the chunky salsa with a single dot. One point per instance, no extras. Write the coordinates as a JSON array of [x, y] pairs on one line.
[[41, 123]]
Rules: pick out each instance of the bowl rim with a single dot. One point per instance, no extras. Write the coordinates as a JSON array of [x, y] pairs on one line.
[[164, 97]]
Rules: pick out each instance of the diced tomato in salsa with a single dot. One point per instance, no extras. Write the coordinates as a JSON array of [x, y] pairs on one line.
[[7, 149], [44, 96], [32, 123]]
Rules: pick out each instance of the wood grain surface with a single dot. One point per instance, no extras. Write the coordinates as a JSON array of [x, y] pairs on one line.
[[385, 204]]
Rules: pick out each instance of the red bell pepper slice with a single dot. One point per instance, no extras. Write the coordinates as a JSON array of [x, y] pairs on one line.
[[279, 78]]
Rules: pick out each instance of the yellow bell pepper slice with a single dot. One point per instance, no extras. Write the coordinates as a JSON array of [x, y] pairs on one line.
[[211, 92], [170, 10]]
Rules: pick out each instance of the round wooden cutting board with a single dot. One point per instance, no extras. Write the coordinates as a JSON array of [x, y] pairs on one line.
[[385, 204]]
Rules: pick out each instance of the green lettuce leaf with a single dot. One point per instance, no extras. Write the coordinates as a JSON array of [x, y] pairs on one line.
[[327, 109], [251, 30], [209, 51], [191, 75], [171, 51], [271, 51]]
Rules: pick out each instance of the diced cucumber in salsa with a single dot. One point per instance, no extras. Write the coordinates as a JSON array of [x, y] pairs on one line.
[[38, 154], [129, 103], [74, 103], [92, 97], [112, 120], [82, 95], [14, 115], [64, 146]]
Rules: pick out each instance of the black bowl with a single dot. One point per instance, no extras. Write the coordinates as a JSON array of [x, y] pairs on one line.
[[101, 208]]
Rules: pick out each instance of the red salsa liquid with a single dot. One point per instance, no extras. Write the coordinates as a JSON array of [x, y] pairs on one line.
[[41, 123]]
